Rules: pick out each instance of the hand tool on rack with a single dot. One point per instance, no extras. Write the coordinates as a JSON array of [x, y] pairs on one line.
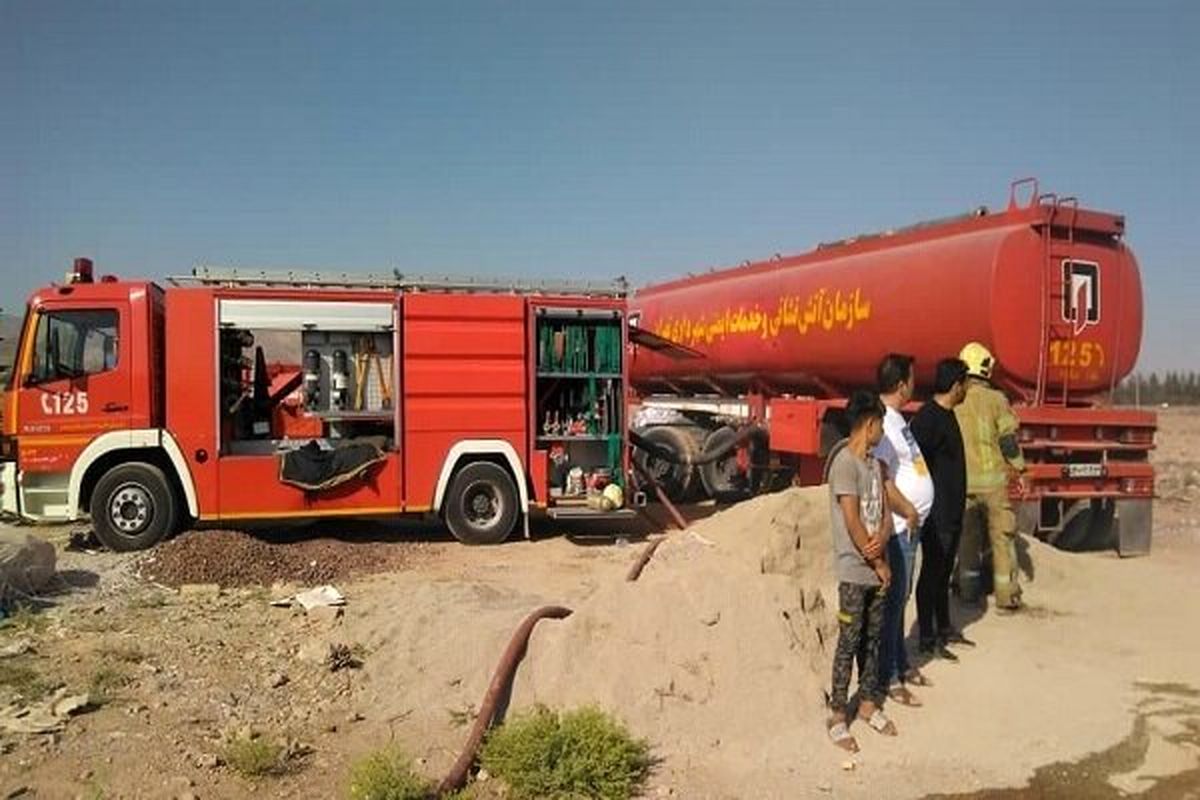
[[361, 372], [385, 385]]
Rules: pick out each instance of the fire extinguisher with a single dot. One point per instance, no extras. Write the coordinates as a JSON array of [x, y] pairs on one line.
[[312, 380], [339, 380]]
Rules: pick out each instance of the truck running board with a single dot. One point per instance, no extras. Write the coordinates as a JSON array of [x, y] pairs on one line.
[[580, 512]]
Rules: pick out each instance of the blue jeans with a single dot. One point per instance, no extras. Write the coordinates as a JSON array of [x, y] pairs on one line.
[[893, 656]]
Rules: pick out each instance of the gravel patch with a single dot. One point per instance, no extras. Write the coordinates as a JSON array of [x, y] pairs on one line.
[[235, 558]]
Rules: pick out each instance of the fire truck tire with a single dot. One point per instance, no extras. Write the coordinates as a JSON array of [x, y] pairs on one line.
[[482, 504], [133, 507]]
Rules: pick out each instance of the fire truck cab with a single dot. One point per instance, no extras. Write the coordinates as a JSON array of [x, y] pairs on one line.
[[229, 396]]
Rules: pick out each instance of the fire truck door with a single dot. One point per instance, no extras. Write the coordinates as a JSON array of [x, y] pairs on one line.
[[74, 384]]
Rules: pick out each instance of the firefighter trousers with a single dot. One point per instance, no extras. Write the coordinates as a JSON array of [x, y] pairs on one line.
[[991, 511]]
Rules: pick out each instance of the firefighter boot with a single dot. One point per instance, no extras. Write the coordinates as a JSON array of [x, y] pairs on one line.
[[1002, 533]]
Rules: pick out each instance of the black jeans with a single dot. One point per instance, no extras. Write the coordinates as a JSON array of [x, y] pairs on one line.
[[939, 547], [860, 620]]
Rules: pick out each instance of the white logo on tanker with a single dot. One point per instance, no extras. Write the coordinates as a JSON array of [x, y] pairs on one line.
[[1081, 294], [824, 309], [56, 404]]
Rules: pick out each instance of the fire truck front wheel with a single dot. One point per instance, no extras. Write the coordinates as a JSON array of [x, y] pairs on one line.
[[133, 507], [481, 505]]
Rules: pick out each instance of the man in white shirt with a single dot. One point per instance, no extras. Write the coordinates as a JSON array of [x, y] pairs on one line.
[[909, 488]]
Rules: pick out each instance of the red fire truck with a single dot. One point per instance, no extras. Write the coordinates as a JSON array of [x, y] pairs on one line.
[[229, 396], [1049, 287]]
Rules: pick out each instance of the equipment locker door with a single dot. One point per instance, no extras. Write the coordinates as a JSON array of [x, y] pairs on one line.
[[329, 380]]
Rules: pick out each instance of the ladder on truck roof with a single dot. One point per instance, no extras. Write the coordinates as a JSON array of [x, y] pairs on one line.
[[333, 279]]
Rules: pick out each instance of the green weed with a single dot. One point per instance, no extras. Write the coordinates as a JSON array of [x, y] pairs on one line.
[[105, 684], [575, 754], [24, 680], [255, 756], [386, 774], [24, 619]]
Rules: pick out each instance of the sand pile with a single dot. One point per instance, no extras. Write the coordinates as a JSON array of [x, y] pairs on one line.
[[725, 641]]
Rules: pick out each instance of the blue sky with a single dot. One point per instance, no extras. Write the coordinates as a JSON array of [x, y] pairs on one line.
[[583, 139]]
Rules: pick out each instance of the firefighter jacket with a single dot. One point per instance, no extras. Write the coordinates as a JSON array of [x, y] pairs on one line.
[[989, 431]]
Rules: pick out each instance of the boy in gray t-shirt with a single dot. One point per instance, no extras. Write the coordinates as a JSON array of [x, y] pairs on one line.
[[861, 524]]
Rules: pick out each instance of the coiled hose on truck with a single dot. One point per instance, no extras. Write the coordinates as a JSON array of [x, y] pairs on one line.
[[707, 457]]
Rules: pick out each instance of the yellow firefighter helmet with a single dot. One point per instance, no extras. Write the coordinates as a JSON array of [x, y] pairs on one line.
[[612, 497], [978, 359]]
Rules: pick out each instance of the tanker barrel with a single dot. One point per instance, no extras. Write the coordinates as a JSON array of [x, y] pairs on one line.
[[817, 323]]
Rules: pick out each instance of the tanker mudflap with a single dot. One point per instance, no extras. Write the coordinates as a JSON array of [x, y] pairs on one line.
[[1134, 524]]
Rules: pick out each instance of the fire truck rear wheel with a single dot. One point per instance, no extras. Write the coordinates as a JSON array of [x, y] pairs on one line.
[[133, 507], [481, 505]]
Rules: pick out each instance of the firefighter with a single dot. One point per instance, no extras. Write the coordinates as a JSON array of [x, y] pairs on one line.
[[989, 432]]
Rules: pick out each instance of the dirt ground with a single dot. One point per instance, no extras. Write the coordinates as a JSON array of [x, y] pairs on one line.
[[718, 656]]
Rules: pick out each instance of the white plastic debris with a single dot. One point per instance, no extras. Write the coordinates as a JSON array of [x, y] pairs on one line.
[[320, 596]]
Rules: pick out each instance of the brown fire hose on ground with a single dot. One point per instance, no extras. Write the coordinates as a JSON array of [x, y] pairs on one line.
[[506, 669], [501, 681], [644, 557]]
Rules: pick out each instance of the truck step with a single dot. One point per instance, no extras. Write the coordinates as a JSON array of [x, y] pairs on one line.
[[584, 513]]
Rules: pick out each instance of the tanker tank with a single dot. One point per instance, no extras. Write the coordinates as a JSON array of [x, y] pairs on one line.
[[1050, 288]]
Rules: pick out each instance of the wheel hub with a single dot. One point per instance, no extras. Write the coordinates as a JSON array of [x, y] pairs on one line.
[[482, 505], [130, 509]]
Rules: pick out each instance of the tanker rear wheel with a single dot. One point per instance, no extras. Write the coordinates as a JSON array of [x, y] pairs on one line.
[[676, 476], [1087, 526], [724, 479]]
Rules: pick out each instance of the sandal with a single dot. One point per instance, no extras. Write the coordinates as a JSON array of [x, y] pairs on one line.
[[956, 637], [903, 696], [917, 678], [880, 723], [839, 734]]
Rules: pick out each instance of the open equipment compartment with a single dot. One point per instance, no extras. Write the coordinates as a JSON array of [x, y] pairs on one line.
[[579, 401], [300, 371]]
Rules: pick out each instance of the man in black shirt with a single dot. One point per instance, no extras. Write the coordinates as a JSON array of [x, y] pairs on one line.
[[936, 430]]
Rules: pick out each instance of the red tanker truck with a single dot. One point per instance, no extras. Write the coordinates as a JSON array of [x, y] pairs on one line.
[[1049, 287]]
